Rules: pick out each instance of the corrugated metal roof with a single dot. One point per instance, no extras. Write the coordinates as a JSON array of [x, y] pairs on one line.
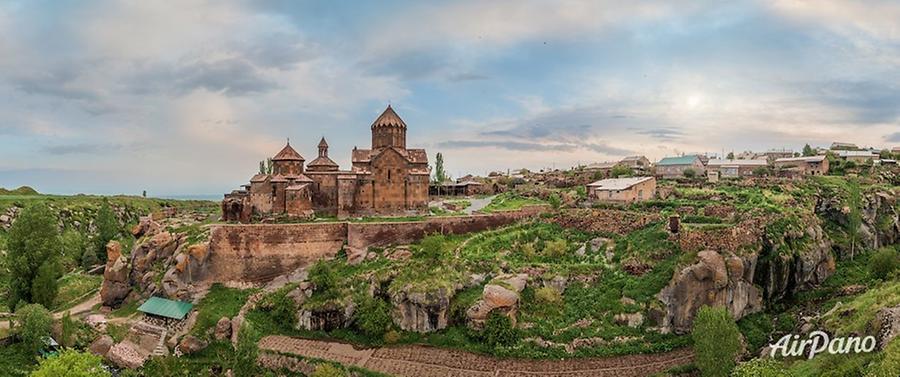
[[717, 162], [683, 160], [165, 307]]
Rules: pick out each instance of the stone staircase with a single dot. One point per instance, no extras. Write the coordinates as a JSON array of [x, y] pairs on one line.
[[158, 332]]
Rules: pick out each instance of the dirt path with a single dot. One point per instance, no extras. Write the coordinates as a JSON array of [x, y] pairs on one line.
[[422, 361], [84, 306]]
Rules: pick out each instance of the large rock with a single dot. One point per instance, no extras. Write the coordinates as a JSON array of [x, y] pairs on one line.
[[713, 281], [327, 317], [422, 312], [886, 325], [101, 345], [126, 355], [501, 295], [115, 286], [223, 328], [192, 344]]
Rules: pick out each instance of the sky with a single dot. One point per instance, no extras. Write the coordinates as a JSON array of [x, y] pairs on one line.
[[186, 97]]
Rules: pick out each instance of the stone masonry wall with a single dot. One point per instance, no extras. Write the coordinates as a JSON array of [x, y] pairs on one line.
[[260, 252]]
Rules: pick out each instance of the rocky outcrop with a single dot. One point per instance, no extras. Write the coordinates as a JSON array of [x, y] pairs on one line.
[[223, 329], [126, 355], [422, 312], [191, 344], [879, 215], [116, 285], [782, 272], [188, 266], [101, 345], [501, 295], [886, 325], [327, 317], [714, 280]]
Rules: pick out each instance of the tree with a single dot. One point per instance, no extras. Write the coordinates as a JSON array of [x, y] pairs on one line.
[[808, 151], [440, 175], [107, 229], [621, 171], [689, 173], [73, 248], [730, 156], [89, 259], [717, 341], [33, 240], [761, 171], [884, 262], [33, 323], [44, 288], [71, 363]]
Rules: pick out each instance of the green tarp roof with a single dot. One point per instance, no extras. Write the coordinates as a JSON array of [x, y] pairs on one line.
[[683, 160], [165, 308]]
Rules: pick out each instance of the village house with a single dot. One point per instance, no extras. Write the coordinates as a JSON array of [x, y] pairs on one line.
[[774, 154], [388, 179], [836, 146], [812, 165], [674, 167], [895, 150], [623, 190], [636, 163], [600, 169], [859, 157], [717, 168]]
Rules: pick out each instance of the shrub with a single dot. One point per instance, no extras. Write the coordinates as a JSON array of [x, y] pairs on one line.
[[89, 259], [323, 277], [280, 307], [761, 368], [433, 248], [884, 262], [689, 173], [391, 337], [373, 317], [71, 363], [328, 370], [33, 323], [716, 341], [547, 296], [44, 287], [555, 248], [555, 201], [499, 331], [528, 250]]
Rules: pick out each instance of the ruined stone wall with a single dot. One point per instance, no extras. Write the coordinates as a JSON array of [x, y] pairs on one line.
[[260, 252], [364, 235]]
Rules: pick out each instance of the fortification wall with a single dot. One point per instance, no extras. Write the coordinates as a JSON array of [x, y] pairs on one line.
[[260, 252]]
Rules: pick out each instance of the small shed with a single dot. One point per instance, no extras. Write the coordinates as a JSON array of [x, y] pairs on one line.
[[165, 308]]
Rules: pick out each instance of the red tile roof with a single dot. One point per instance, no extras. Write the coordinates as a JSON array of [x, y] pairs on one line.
[[388, 119]]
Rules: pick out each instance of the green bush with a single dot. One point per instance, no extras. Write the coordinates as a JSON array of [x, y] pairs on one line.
[[716, 341], [280, 307], [499, 331], [323, 278], [373, 317], [433, 248], [33, 243], [328, 370], [107, 229], [761, 368], [391, 337], [89, 259], [547, 296], [689, 173], [45, 287], [556, 248], [33, 323], [884, 262], [71, 363]]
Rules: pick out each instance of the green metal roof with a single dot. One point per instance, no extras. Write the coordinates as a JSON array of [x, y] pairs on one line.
[[165, 308], [683, 160]]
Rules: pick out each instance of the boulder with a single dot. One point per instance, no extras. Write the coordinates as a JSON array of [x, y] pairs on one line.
[[502, 295], [126, 355], [422, 312], [191, 344], [629, 319], [223, 328], [327, 317], [886, 325], [101, 345], [96, 321], [558, 282]]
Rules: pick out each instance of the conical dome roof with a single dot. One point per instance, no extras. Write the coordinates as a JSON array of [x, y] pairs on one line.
[[389, 119], [288, 154]]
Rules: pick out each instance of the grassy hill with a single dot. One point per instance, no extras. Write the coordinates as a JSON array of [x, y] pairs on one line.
[[23, 190]]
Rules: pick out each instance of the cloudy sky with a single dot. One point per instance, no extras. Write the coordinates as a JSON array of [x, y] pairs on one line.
[[185, 97]]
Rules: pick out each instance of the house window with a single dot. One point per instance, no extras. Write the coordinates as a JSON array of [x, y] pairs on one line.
[[389, 175], [609, 194]]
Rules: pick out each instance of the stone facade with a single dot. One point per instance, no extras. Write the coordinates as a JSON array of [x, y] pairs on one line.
[[387, 179]]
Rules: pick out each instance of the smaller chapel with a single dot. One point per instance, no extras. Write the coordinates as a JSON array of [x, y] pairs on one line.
[[388, 179]]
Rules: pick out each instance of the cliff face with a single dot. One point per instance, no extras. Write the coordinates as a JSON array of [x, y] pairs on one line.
[[782, 261]]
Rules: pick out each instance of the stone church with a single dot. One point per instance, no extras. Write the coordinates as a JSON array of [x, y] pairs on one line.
[[388, 179]]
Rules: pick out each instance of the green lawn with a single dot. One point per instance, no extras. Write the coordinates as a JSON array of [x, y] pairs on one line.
[[509, 202], [219, 302], [74, 287]]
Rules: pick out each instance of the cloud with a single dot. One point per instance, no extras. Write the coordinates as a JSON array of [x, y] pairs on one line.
[[90, 148], [660, 133], [461, 77], [534, 147], [894, 137]]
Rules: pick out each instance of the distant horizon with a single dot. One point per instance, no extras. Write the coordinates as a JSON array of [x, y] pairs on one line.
[[124, 96]]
